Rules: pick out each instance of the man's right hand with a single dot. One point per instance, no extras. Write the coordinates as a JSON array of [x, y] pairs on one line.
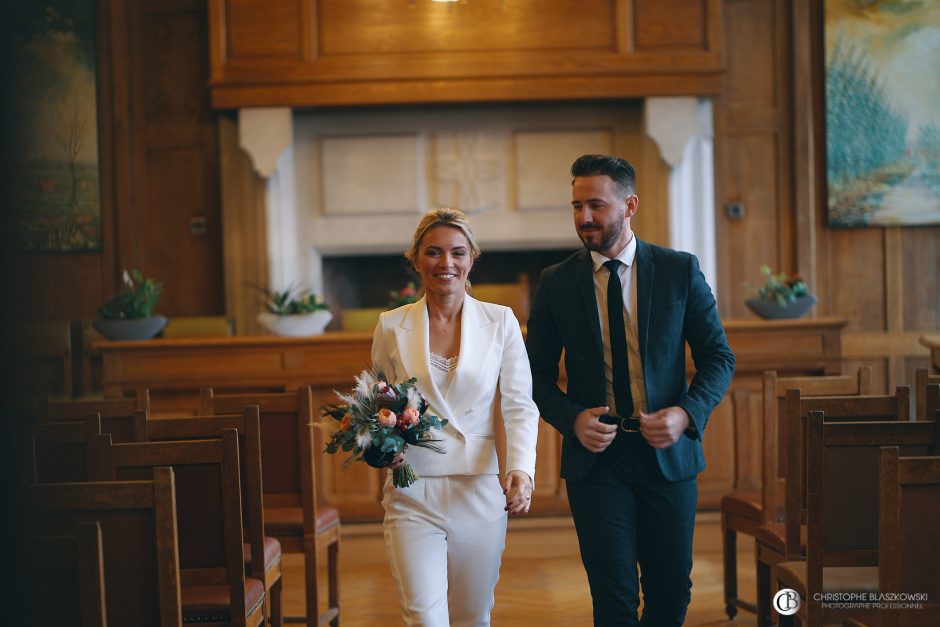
[[593, 434]]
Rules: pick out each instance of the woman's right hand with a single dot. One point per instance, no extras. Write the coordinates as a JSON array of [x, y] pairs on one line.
[[398, 460]]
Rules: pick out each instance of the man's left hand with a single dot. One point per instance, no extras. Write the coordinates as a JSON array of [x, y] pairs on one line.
[[663, 428]]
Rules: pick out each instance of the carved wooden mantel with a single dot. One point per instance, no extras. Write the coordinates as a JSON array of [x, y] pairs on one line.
[[353, 52]]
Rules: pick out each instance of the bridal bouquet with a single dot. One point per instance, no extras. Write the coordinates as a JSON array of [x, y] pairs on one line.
[[378, 420]]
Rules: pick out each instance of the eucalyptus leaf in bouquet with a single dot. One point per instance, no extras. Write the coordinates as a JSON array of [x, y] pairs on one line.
[[379, 420]]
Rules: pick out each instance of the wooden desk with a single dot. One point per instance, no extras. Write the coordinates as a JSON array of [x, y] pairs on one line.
[[239, 362], [175, 369], [933, 343]]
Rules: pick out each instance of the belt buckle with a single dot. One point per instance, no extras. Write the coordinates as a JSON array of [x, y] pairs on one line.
[[625, 428]]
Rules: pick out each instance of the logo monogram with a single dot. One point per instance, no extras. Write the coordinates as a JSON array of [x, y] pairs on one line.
[[787, 602]]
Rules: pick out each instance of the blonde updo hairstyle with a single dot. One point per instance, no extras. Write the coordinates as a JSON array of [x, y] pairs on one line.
[[445, 216]]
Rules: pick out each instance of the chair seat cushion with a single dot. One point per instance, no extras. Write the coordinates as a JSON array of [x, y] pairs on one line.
[[835, 578], [289, 521], [272, 553], [202, 604], [743, 503], [773, 536]]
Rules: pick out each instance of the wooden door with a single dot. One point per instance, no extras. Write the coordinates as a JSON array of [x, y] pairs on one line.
[[174, 231]]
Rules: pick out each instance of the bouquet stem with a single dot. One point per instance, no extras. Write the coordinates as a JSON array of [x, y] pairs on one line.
[[404, 476]]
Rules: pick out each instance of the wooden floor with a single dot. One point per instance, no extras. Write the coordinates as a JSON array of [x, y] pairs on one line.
[[541, 581]]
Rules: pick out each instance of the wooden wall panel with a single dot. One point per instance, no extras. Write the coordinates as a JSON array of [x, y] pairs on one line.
[[750, 32], [856, 270], [271, 28], [368, 27], [752, 148], [920, 275], [670, 24], [58, 286]]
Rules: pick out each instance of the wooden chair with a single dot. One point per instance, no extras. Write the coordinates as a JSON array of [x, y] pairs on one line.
[[60, 452], [908, 551], [123, 418], [842, 478], [742, 511], [67, 567], [91, 366], [291, 511], [925, 404], [139, 541], [215, 590], [44, 368], [261, 549], [777, 542]]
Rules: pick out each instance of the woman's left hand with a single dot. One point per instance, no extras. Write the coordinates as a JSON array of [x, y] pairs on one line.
[[518, 491]]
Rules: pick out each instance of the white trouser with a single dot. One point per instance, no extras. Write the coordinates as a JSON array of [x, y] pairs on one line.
[[445, 537]]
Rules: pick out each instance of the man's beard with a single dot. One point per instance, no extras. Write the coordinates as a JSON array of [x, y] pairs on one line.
[[608, 236]]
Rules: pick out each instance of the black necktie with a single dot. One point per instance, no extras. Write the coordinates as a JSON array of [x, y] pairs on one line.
[[618, 341]]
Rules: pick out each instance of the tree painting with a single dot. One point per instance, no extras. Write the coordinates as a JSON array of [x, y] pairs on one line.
[[882, 112], [58, 204]]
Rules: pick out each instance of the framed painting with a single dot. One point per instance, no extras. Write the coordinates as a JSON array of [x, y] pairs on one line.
[[55, 124], [882, 96]]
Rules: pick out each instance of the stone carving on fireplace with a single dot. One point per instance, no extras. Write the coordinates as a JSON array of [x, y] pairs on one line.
[[469, 170]]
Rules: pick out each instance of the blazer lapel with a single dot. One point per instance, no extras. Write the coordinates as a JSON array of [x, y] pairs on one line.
[[414, 348], [585, 270], [644, 293], [477, 335]]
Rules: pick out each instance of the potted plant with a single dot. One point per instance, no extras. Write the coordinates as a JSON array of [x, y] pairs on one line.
[[404, 296], [129, 315], [781, 296], [292, 312]]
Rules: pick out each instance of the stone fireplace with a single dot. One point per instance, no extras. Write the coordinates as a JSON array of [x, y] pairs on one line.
[[343, 188]]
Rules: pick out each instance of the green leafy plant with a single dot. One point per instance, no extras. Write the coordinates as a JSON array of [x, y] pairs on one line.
[[781, 288], [291, 301], [136, 299]]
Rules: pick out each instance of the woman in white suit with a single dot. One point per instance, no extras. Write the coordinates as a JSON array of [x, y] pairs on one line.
[[445, 534]]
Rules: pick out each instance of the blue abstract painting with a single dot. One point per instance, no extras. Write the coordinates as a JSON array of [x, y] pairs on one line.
[[882, 112]]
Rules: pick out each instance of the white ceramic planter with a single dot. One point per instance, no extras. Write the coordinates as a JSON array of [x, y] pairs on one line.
[[297, 325]]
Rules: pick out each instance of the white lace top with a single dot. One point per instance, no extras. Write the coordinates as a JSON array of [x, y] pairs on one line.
[[442, 371]]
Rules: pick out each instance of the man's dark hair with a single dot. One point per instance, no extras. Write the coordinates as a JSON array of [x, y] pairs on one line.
[[620, 170]]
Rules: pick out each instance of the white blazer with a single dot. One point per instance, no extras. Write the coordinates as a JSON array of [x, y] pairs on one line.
[[491, 353]]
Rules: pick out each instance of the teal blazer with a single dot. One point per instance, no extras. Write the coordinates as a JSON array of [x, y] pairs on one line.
[[675, 307]]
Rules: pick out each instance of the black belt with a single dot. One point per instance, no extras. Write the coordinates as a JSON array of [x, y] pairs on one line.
[[632, 425]]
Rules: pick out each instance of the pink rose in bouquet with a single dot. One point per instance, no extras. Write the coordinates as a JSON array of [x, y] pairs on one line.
[[386, 417], [408, 418]]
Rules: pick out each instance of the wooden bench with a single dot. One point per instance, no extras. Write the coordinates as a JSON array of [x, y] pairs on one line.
[[843, 482], [744, 511], [262, 553], [292, 512], [139, 541], [214, 590]]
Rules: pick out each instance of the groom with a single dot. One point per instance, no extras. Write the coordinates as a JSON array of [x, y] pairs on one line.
[[623, 311]]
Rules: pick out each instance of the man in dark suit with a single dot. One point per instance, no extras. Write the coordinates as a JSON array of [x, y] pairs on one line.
[[623, 311]]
